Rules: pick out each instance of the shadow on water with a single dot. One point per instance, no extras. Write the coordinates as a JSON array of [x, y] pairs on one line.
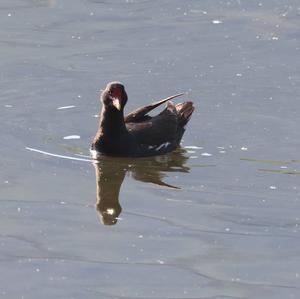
[[110, 173]]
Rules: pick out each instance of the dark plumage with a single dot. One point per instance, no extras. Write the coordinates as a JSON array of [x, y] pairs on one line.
[[138, 134]]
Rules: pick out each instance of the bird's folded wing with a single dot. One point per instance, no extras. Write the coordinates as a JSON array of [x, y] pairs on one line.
[[138, 114]]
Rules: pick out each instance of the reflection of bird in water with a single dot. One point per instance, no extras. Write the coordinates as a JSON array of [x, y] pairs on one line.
[[109, 177], [110, 173]]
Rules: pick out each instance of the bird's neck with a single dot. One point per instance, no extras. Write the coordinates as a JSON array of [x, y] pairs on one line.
[[112, 121]]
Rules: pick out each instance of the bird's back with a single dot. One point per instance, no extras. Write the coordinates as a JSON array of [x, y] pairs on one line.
[[164, 131]]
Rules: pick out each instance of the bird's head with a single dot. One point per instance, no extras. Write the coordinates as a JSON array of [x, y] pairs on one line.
[[114, 95]]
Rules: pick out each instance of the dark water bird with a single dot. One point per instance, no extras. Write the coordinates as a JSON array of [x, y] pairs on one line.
[[138, 134]]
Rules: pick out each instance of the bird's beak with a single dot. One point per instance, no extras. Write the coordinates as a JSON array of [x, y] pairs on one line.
[[117, 104]]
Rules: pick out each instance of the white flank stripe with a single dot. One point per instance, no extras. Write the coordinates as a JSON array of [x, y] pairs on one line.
[[162, 145]]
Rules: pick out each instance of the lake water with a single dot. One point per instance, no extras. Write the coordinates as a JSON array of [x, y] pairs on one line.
[[219, 218]]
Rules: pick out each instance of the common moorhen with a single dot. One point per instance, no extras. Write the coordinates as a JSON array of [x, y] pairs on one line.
[[138, 134]]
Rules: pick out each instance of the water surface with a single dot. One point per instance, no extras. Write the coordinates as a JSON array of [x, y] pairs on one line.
[[217, 219]]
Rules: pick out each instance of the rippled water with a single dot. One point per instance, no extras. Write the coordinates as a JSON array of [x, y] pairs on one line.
[[219, 218]]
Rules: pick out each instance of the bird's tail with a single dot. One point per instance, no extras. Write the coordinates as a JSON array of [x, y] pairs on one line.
[[185, 111]]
